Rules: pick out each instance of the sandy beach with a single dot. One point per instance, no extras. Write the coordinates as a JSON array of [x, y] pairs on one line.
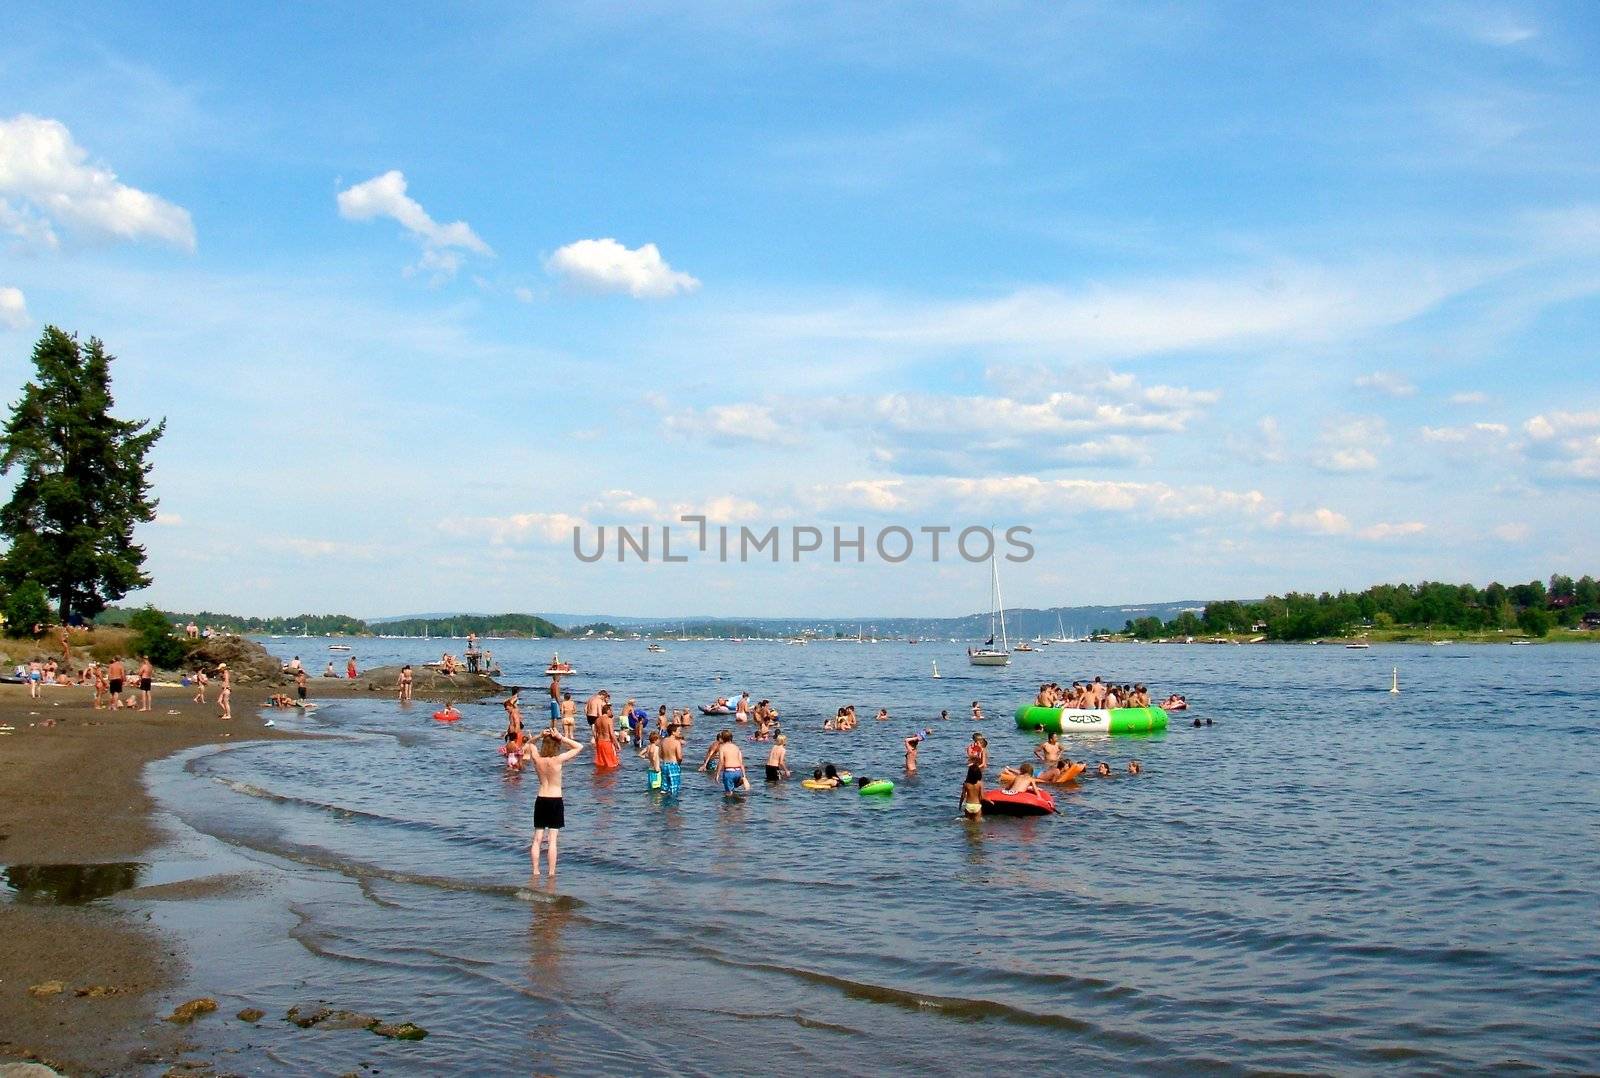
[[73, 794], [71, 787]]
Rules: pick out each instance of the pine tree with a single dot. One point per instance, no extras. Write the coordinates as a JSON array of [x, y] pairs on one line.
[[82, 481]]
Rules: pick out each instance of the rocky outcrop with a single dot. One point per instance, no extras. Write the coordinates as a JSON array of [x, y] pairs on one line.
[[248, 661]]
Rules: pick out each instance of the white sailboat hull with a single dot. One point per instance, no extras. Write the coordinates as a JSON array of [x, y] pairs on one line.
[[988, 658]]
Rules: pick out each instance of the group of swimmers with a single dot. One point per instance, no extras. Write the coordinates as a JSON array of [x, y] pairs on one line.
[[662, 749], [1097, 695]]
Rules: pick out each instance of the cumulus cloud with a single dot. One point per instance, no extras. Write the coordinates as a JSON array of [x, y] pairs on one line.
[[1321, 521], [753, 421], [168, 520], [13, 308], [1055, 498], [1350, 444], [1383, 532], [605, 265], [1464, 434], [442, 244], [1469, 397], [1512, 533], [1104, 418], [54, 182], [1565, 445], [1387, 383], [516, 529]]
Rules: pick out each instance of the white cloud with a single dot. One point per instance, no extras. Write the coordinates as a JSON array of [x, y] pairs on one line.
[[13, 308], [1350, 444], [1467, 433], [1383, 532], [1470, 397], [1565, 444], [516, 529], [1278, 306], [385, 196], [41, 165], [605, 265], [1065, 499], [1512, 533], [168, 520], [756, 422], [1387, 383], [1103, 418], [1322, 521]]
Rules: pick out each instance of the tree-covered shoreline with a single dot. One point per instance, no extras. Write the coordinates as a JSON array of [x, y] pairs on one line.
[[1530, 609]]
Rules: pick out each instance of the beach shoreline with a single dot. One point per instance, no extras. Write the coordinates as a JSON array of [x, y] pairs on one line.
[[73, 789]]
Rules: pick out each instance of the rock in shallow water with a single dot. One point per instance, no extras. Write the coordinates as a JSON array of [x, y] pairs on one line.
[[184, 1013], [46, 989], [251, 1014], [404, 1031]]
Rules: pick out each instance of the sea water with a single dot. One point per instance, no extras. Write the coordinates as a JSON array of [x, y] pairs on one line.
[[1329, 878]]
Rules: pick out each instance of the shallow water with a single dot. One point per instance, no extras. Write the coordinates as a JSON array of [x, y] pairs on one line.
[[1331, 878]]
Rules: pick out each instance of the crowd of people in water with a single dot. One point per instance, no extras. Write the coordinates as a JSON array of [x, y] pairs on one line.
[[1098, 695], [661, 739]]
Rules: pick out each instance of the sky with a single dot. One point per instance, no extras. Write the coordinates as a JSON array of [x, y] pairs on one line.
[[1220, 300]]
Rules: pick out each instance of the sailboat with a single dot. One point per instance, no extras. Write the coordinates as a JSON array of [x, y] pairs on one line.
[[1061, 636], [989, 655]]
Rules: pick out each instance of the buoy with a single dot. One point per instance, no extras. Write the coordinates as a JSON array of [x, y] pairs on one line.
[[1394, 684], [936, 668]]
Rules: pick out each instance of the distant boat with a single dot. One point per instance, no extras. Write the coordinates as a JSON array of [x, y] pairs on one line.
[[989, 655], [558, 667], [1024, 646], [1522, 642], [1061, 637], [655, 647], [1358, 646], [338, 647]]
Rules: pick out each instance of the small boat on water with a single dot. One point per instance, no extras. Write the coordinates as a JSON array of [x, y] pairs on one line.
[[557, 667], [655, 647], [339, 647], [1358, 646], [989, 655], [1024, 646]]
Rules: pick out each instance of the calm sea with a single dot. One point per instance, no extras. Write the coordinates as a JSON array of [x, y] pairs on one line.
[[1329, 878]]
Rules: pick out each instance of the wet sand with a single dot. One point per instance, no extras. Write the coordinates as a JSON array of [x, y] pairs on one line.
[[71, 793]]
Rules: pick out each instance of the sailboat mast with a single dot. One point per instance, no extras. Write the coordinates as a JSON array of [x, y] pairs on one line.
[[999, 602]]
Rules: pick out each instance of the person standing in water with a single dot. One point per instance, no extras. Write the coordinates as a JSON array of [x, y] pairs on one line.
[[777, 764], [569, 715], [555, 700], [651, 754], [730, 765], [549, 809], [672, 761]]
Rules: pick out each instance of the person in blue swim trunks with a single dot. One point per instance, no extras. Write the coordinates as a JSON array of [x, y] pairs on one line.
[[651, 754], [672, 760], [730, 764]]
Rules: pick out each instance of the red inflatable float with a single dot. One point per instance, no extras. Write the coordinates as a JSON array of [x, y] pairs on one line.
[[1032, 803], [449, 714]]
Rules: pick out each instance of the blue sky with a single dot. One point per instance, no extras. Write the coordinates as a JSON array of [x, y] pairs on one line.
[[1219, 299]]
